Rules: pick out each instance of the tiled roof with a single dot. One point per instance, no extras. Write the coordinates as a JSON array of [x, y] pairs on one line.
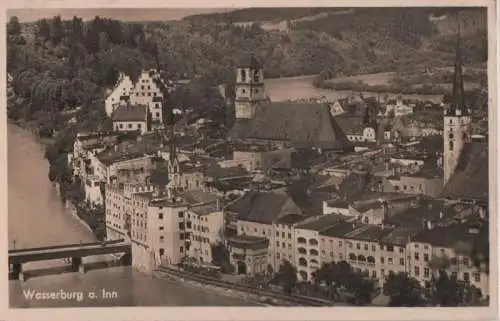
[[448, 236], [263, 207], [340, 229], [290, 219], [130, 113], [471, 177], [302, 124], [351, 125], [198, 196], [321, 223]]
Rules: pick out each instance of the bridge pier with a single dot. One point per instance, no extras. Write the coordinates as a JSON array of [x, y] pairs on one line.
[[77, 264], [17, 271]]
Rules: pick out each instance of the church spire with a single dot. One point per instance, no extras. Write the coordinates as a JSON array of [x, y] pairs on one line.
[[457, 102]]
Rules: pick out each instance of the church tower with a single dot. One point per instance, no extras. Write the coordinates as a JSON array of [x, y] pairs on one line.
[[249, 88], [457, 120]]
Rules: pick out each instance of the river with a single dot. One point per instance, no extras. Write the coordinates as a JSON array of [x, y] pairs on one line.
[[296, 88], [36, 217]]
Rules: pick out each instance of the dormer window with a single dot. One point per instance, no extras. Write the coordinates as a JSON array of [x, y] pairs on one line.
[[243, 75]]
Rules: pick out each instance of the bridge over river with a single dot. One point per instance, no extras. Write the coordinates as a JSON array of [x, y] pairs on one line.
[[75, 253]]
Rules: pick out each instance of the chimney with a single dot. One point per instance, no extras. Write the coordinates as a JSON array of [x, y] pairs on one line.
[[218, 204]]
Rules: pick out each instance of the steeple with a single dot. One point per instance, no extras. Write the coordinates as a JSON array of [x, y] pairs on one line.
[[457, 102]]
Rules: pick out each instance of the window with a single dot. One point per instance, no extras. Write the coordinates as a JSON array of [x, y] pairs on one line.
[[426, 272], [162, 252], [299, 240], [277, 243], [129, 126], [313, 252], [255, 229], [277, 234], [366, 247], [417, 257], [358, 246], [454, 261], [181, 214], [121, 126], [289, 236], [352, 257], [161, 228], [390, 248], [401, 250], [139, 126], [451, 145], [157, 114], [466, 261], [283, 245], [389, 260], [477, 276], [401, 261], [417, 271], [374, 274], [382, 260], [466, 277], [283, 234], [350, 245], [313, 242], [426, 257], [340, 243], [243, 75], [374, 248], [160, 216], [278, 256], [181, 249]]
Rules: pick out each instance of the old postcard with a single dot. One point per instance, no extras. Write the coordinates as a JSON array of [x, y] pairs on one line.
[[268, 157]]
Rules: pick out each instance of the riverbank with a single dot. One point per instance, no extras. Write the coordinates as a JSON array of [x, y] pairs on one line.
[[33, 129]]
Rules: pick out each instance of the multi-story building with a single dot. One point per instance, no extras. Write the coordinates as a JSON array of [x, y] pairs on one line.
[[449, 249], [309, 246], [149, 90], [124, 88], [130, 117]]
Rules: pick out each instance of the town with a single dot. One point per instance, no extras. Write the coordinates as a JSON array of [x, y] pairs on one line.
[[354, 200], [299, 182]]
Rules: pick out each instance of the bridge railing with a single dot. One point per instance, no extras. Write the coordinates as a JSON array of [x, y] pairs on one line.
[[54, 247]]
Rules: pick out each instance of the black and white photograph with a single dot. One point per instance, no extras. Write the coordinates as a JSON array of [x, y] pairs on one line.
[[250, 157]]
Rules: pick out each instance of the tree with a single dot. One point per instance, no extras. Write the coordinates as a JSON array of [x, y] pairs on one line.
[[220, 257], [56, 30], [403, 290], [449, 292], [14, 27], [287, 276], [361, 288]]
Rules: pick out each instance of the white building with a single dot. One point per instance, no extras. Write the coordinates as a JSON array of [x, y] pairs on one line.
[[131, 118], [149, 91], [124, 88]]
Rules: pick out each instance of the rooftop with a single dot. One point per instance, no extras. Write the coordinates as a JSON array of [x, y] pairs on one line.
[[320, 223], [302, 124], [368, 233], [449, 236], [351, 125], [130, 113], [263, 207], [340, 229], [471, 177], [290, 219]]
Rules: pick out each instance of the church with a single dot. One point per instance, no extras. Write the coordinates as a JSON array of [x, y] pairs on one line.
[[465, 162], [281, 124]]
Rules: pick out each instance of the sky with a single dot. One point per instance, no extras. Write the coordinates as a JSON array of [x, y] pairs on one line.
[[126, 14]]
